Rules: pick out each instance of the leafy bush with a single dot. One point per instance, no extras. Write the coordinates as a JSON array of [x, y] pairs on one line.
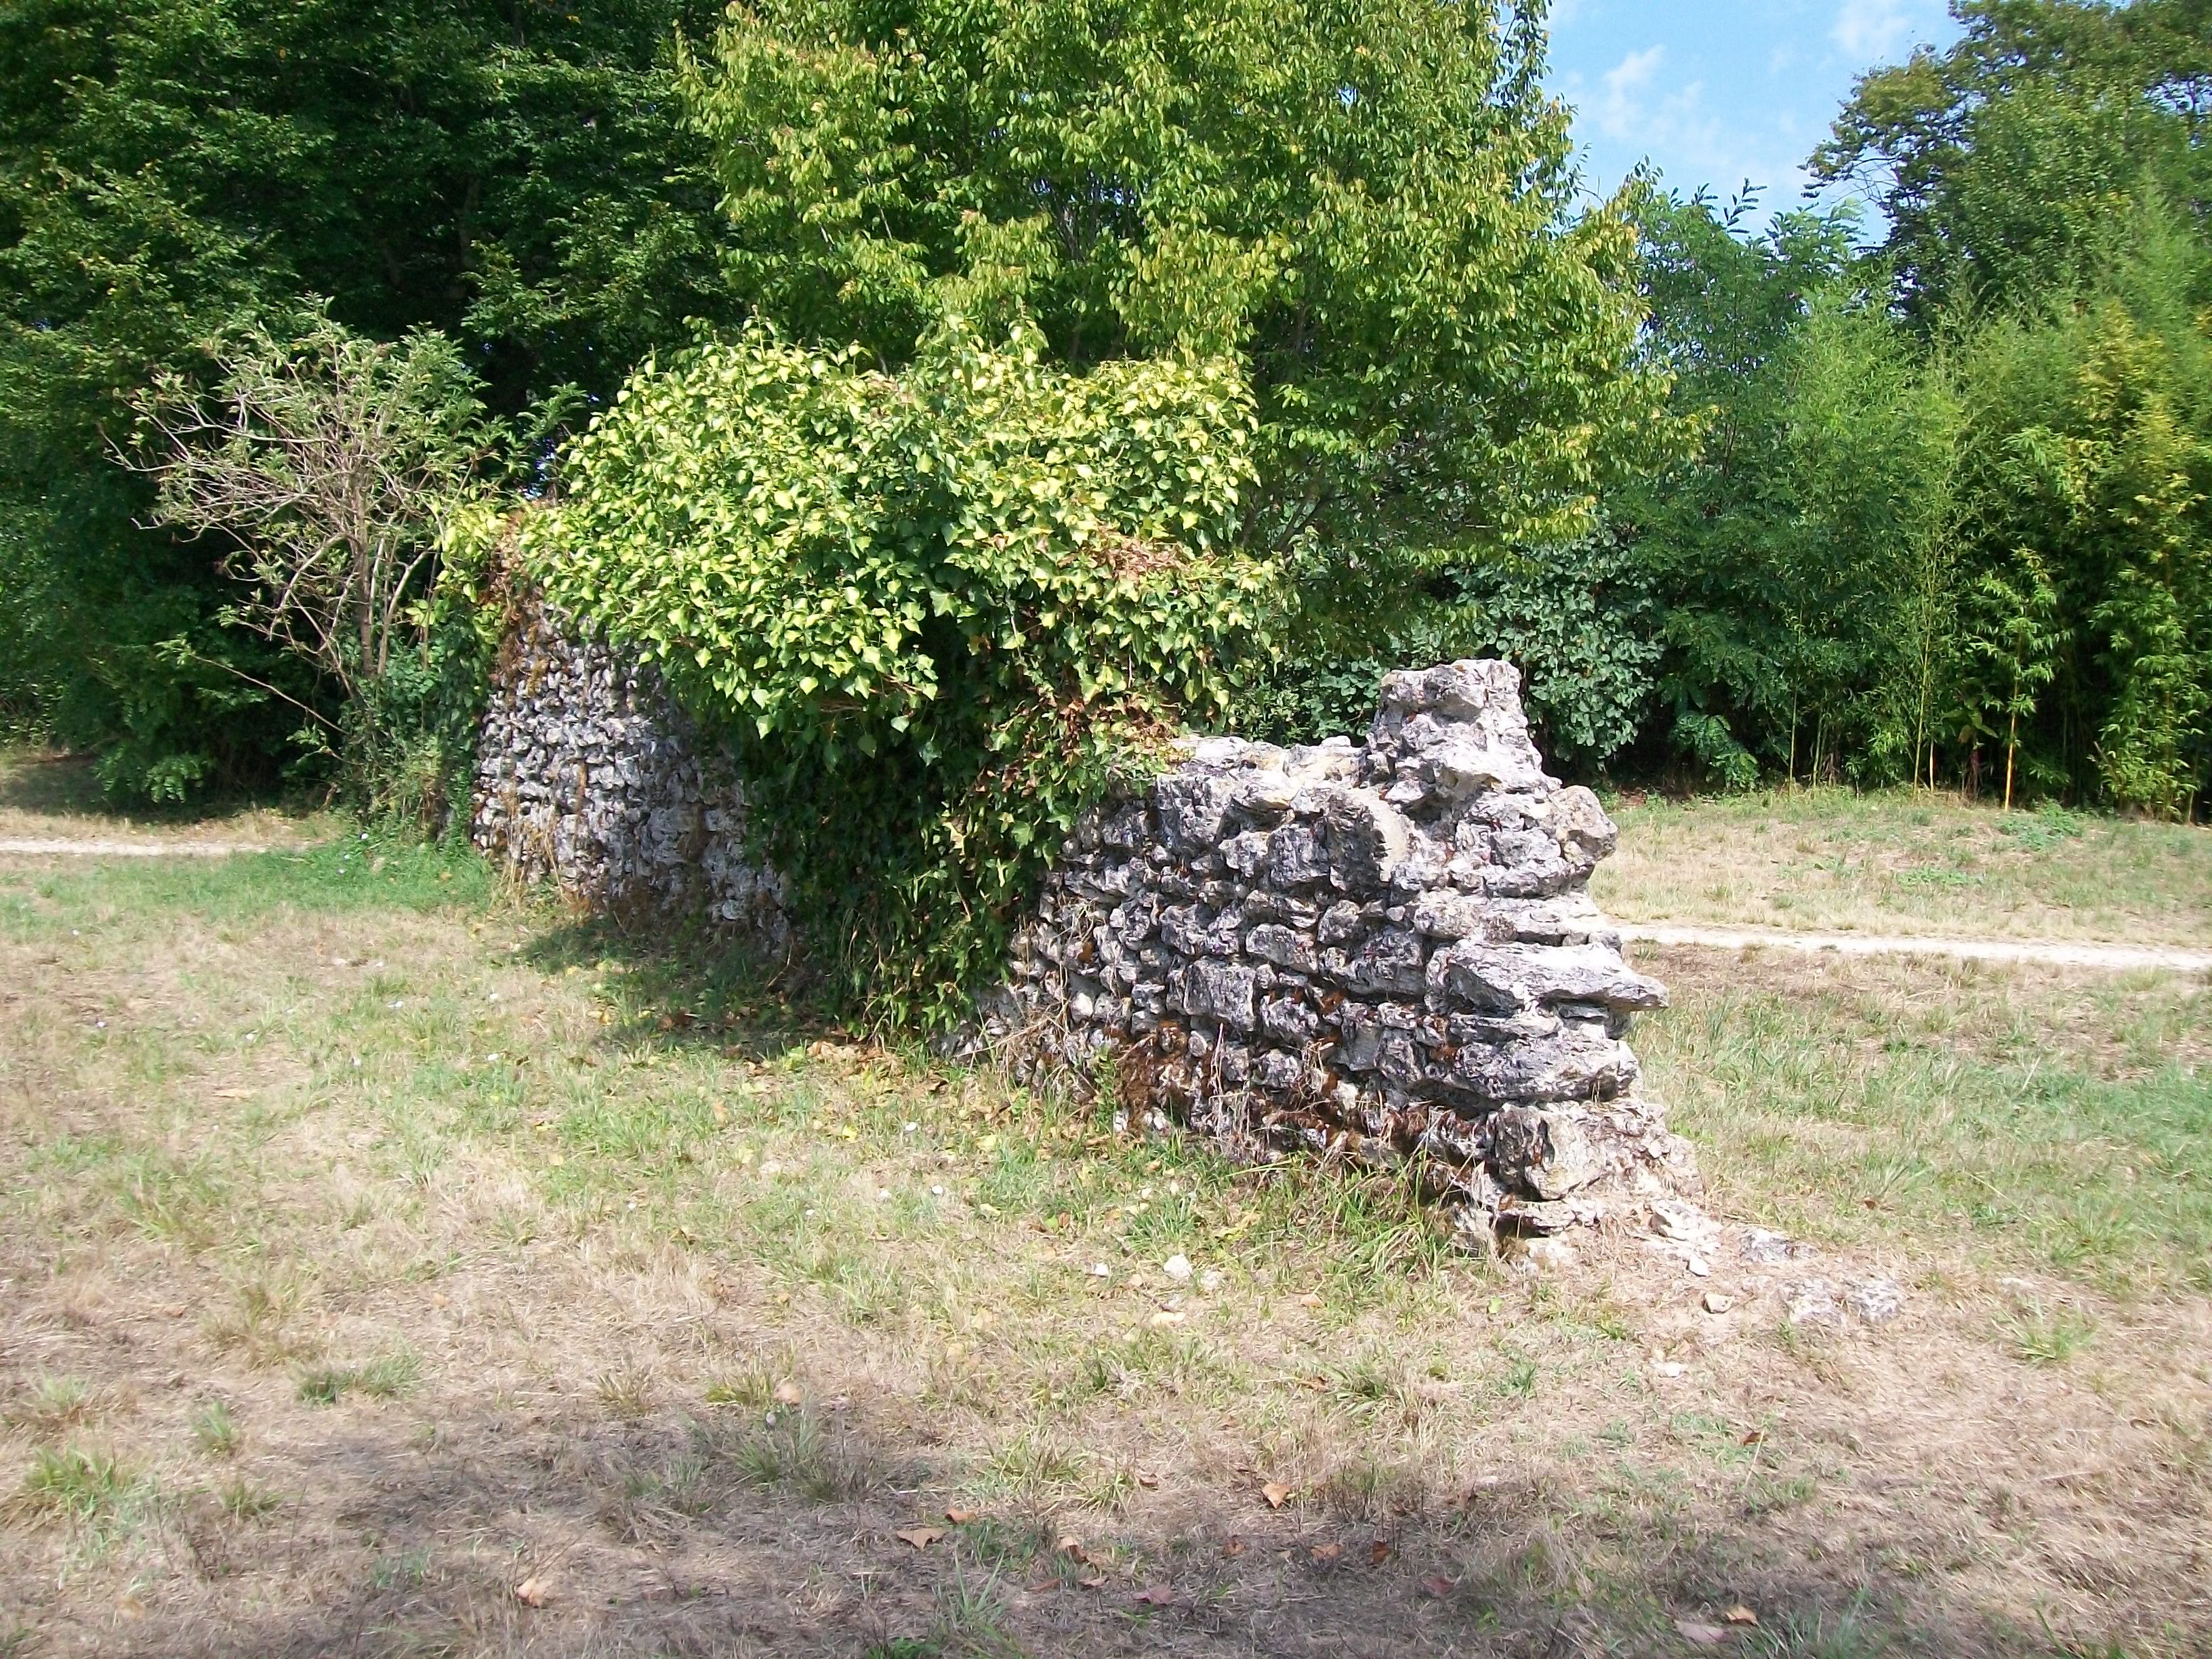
[[1577, 620], [932, 612], [323, 465]]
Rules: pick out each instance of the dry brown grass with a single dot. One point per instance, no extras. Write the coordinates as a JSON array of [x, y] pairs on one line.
[[677, 1335], [45, 795], [1827, 860]]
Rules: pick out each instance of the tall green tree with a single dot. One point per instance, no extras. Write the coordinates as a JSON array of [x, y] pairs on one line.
[[1788, 557], [2006, 163], [518, 177], [1373, 202]]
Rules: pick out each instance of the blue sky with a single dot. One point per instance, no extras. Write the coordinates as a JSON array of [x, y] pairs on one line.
[[1723, 91]]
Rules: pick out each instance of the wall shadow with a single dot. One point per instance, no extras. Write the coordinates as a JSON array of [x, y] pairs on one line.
[[707, 1533]]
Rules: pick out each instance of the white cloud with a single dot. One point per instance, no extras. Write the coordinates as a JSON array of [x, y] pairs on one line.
[[1623, 115], [1877, 31], [1640, 110]]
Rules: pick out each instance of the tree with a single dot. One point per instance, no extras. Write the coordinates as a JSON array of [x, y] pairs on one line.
[[2009, 641], [517, 178], [323, 464], [2005, 164], [1374, 203]]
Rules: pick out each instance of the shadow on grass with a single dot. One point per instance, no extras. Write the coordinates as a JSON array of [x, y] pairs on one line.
[[49, 783], [742, 1531], [684, 987], [32, 781]]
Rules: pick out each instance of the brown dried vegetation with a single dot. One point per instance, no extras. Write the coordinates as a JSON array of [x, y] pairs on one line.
[[697, 1315]]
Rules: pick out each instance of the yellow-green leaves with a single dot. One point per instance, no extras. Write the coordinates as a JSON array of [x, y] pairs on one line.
[[934, 610]]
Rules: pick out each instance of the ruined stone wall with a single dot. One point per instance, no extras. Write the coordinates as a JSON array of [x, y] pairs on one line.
[[588, 776], [1374, 950]]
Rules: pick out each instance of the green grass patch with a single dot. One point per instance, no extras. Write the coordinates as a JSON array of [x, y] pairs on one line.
[[1857, 1117], [385, 1378], [98, 1495], [358, 873]]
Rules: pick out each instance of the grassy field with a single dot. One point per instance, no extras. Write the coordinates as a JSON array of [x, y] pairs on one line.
[[394, 1265], [1820, 859]]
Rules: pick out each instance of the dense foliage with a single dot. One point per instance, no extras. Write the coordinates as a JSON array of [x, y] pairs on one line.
[[1952, 516], [516, 177], [935, 612], [1372, 203]]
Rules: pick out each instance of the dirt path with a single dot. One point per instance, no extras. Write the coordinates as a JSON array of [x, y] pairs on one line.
[[2116, 957], [2119, 957], [24, 846]]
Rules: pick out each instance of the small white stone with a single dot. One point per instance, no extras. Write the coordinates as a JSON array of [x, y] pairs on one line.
[[1699, 1266], [1876, 1301], [1177, 1268], [1813, 1303], [1672, 1219]]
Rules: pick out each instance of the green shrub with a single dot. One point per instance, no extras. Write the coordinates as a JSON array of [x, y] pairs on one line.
[[933, 612], [1577, 620]]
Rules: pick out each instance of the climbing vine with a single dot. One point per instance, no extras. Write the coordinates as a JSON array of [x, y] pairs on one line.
[[933, 611]]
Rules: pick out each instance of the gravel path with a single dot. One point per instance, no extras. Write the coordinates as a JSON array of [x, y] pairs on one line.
[[2054, 953]]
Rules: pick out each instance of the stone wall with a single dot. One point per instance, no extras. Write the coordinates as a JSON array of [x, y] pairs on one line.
[[588, 776], [1372, 951]]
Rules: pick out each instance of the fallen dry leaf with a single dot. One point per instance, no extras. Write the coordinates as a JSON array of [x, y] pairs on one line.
[[1276, 1493], [1378, 1552], [961, 1517], [1324, 1553], [1740, 1614], [1071, 1548], [1147, 1479], [1158, 1595], [1233, 1547], [1094, 1580], [921, 1537], [1753, 1438], [787, 1393], [533, 1591], [1437, 1588], [1699, 1634]]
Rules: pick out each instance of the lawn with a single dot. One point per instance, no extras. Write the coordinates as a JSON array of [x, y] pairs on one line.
[[397, 1265], [1819, 859]]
